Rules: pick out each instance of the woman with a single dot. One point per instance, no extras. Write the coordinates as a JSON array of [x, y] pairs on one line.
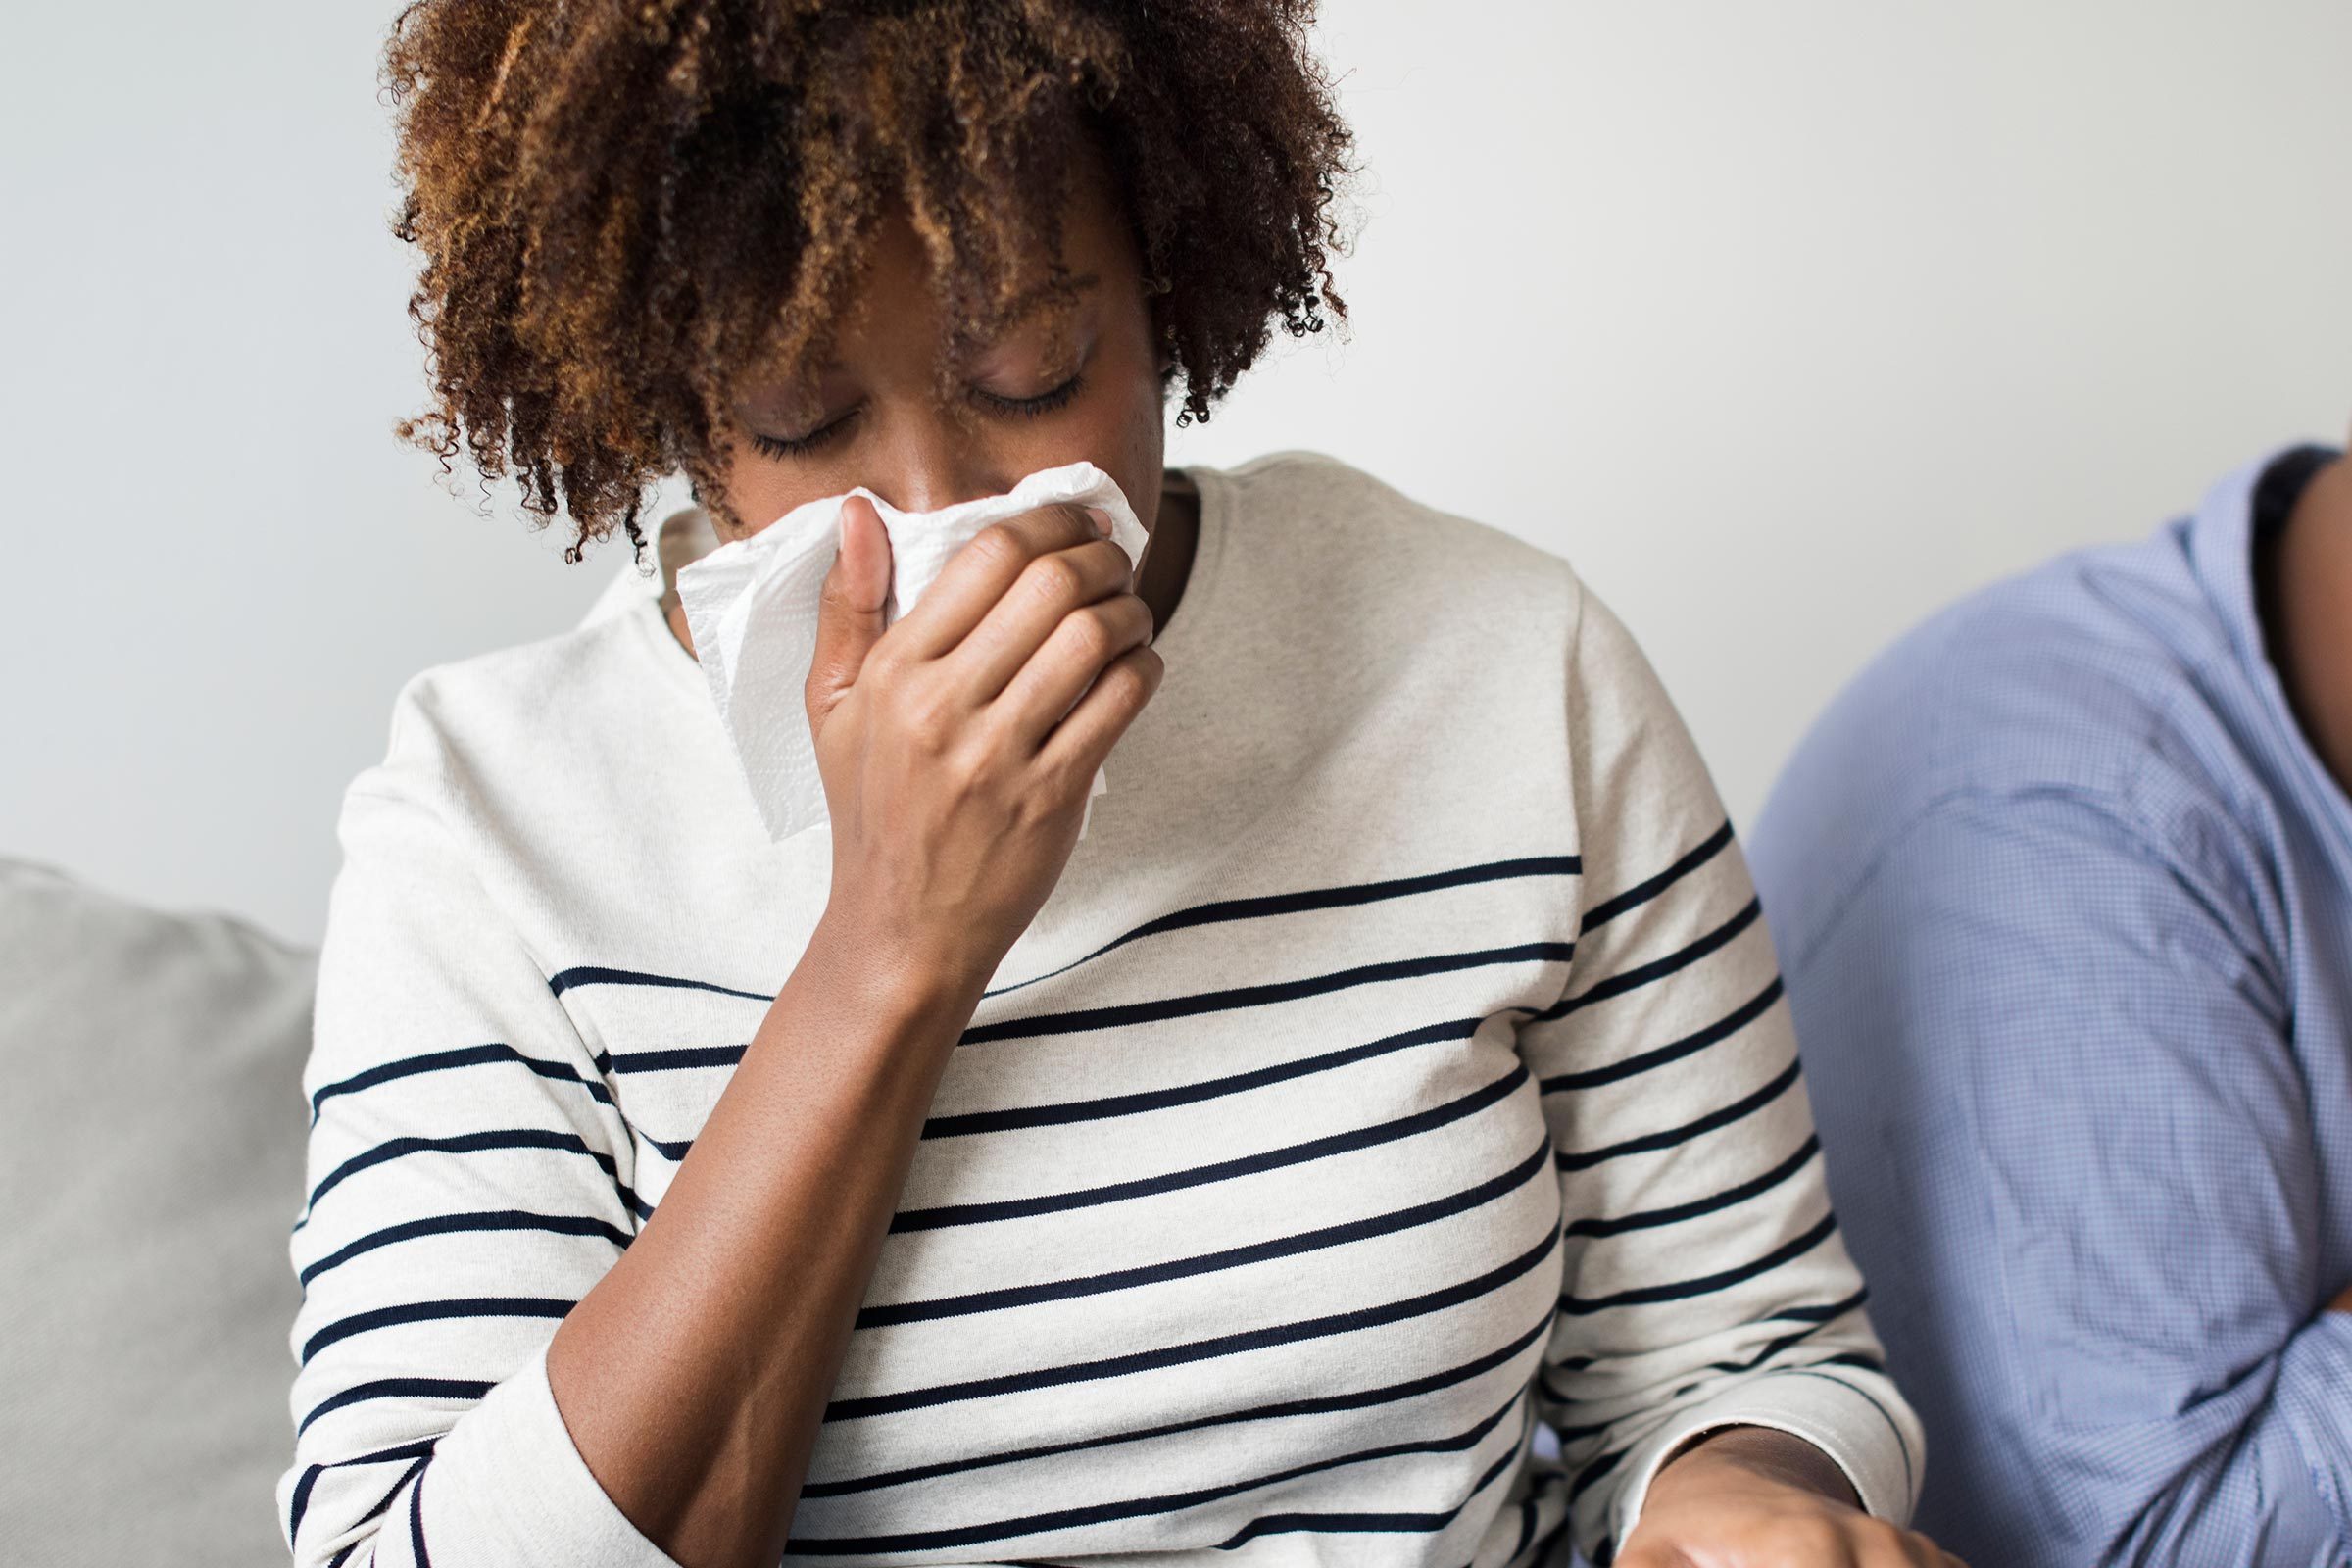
[[1396, 1064]]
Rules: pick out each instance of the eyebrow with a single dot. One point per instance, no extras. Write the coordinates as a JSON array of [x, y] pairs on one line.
[[1084, 282]]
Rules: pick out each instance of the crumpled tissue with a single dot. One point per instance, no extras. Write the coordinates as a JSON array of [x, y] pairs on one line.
[[752, 607]]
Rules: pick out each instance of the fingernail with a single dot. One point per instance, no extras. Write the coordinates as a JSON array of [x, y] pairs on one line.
[[1101, 520]]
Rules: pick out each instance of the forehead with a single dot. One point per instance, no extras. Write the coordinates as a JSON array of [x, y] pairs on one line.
[[913, 303], [905, 258]]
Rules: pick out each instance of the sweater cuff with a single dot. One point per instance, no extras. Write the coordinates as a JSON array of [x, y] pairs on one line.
[[1873, 1438], [2309, 1395], [519, 1493]]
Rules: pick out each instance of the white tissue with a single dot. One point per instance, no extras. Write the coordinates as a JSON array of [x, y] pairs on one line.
[[751, 608]]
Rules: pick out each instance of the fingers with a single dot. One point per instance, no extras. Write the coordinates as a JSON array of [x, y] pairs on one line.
[[1050, 592], [979, 575], [1078, 649], [1077, 746], [849, 615]]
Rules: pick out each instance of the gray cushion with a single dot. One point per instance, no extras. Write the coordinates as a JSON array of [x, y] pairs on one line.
[[151, 1156]]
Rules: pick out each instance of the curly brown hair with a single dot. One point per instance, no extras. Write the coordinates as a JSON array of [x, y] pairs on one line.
[[624, 204]]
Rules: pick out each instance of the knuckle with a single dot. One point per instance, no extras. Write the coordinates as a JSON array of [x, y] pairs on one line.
[[885, 663], [1137, 616], [1055, 579], [929, 722], [1000, 547], [966, 772], [1110, 562], [1089, 636], [1809, 1539], [1131, 681]]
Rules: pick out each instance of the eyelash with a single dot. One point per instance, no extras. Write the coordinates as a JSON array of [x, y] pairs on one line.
[[787, 447], [1030, 407]]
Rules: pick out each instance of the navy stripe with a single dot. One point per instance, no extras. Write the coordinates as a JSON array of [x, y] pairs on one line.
[[1648, 1219], [1240, 997], [1583, 1430], [340, 1557], [1706, 1284], [446, 1060], [1722, 1029], [1673, 1136], [424, 1560], [381, 1505], [1527, 1525], [1284, 1524], [1552, 1538], [1337, 1524], [384, 1317], [1220, 911], [1421, 1121], [1788, 1342], [504, 1219], [1330, 1235], [1821, 1314], [674, 1150], [1641, 893], [589, 974], [473, 1144], [1640, 975], [1115, 1366], [1592, 1472], [1134, 1507], [394, 1388], [683, 1056], [301, 1503], [1112, 1105], [1387, 1393], [1333, 897]]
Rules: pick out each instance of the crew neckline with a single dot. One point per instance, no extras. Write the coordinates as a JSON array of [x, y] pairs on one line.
[[1214, 489]]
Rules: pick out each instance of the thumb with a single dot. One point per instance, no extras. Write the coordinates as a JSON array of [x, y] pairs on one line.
[[849, 613]]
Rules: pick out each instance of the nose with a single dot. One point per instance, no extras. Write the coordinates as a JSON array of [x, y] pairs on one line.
[[933, 460]]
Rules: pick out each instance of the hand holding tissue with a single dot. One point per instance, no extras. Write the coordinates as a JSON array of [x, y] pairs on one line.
[[752, 607]]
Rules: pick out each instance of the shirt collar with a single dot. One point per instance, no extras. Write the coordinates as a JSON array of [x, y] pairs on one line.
[[2221, 545]]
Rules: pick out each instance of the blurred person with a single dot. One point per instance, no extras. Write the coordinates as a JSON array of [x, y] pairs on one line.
[[2063, 884]]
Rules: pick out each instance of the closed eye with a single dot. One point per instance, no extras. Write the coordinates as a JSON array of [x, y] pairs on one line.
[[1043, 403], [795, 446]]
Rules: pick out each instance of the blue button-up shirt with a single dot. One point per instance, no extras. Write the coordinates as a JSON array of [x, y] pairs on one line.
[[2065, 903]]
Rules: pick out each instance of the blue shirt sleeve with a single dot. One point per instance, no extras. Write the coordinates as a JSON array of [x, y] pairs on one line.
[[2073, 1151]]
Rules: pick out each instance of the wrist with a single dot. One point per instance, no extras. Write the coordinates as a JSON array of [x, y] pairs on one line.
[[892, 974], [1759, 1452]]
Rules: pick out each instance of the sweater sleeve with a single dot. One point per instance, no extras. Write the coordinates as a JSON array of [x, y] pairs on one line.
[[468, 1182], [1705, 1283]]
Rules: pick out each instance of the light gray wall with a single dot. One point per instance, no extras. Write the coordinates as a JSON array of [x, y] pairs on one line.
[[1784, 323]]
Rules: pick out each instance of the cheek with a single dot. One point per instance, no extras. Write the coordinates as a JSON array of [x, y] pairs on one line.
[[1133, 445], [760, 493]]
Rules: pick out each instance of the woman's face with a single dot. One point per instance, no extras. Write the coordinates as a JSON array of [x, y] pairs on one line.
[[1032, 399]]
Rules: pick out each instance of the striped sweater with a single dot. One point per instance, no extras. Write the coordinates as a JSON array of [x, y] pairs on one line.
[[1399, 1066]]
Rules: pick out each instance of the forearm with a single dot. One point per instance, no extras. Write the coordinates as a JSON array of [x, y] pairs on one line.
[[694, 1377]]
